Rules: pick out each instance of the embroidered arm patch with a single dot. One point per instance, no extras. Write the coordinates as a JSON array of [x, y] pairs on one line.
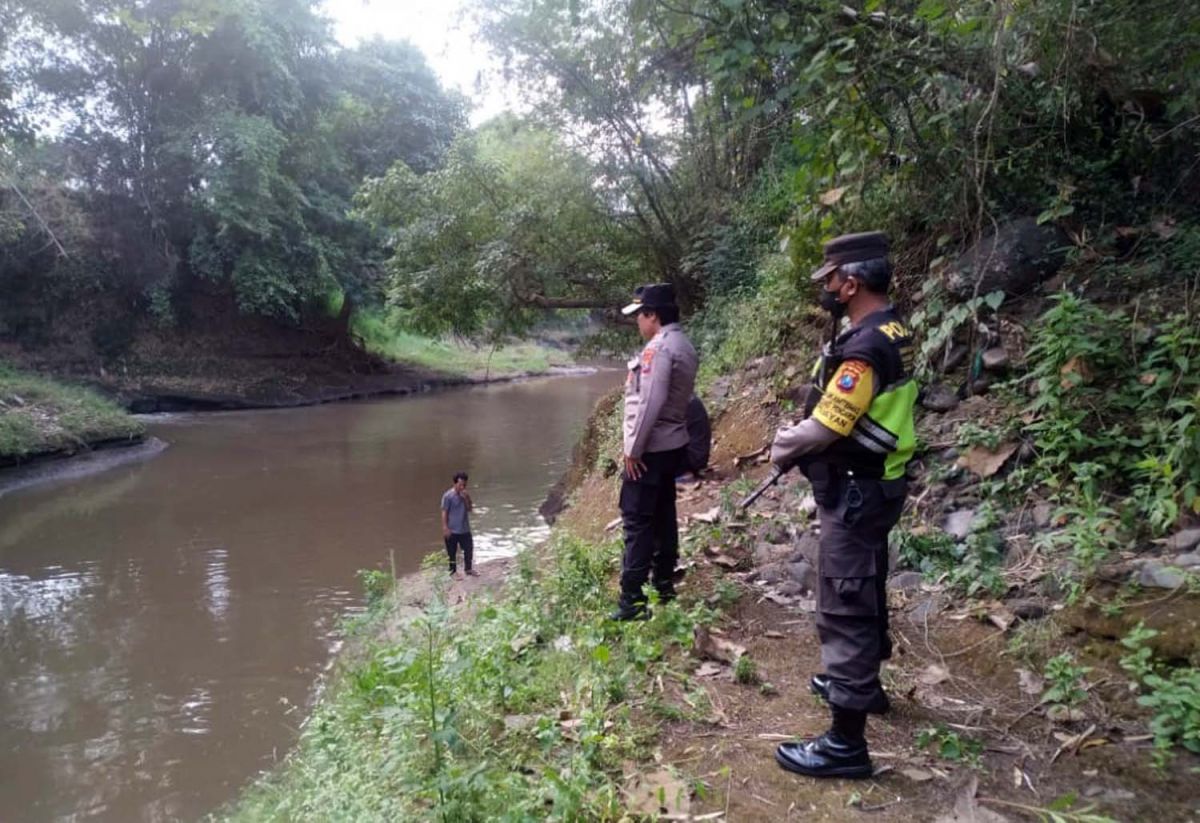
[[847, 397]]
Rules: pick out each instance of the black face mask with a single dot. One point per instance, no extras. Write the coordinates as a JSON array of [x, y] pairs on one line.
[[831, 304]]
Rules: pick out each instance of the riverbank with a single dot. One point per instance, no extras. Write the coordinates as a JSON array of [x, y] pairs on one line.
[[1008, 701], [43, 419]]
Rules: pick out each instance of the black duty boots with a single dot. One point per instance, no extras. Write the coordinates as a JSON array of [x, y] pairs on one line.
[[630, 607], [840, 752]]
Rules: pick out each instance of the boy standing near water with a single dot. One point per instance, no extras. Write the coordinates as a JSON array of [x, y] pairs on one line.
[[456, 524]]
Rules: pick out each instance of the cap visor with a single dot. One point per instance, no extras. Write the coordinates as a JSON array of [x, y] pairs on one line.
[[630, 309], [821, 273]]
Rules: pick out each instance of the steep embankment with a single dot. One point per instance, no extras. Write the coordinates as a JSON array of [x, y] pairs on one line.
[[1006, 694]]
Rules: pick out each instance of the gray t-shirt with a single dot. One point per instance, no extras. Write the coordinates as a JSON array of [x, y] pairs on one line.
[[456, 512]]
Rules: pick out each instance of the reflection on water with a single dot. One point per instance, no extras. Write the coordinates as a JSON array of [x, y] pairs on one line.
[[160, 624]]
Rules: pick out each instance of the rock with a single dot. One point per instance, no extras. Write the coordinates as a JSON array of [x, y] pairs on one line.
[[925, 610], [949, 455], [772, 574], [995, 359], [807, 505], [1187, 561], [958, 524], [774, 532], [1014, 259], [792, 588], [762, 365], [806, 547], [1155, 575], [1184, 540], [1028, 609], [956, 357], [906, 581], [981, 384], [1042, 513], [939, 398], [1106, 795], [767, 553], [803, 573], [720, 387]]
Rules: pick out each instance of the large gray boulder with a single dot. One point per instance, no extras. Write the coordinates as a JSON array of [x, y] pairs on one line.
[[1013, 258]]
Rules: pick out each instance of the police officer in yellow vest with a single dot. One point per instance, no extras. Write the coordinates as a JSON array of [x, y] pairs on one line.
[[657, 390], [853, 445]]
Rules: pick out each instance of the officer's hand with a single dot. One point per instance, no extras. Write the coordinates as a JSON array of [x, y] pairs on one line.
[[445, 532], [634, 468]]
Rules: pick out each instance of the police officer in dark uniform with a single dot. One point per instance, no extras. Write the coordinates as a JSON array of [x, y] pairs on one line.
[[853, 445], [657, 389]]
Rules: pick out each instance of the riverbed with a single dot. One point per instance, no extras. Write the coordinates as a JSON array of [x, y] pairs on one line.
[[164, 624]]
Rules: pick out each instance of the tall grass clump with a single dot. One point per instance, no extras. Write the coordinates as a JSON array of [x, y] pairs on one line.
[[40, 416]]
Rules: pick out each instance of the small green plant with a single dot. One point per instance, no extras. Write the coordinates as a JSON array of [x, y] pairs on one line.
[[376, 585], [745, 670], [971, 433], [726, 593], [972, 566], [1172, 695], [950, 745], [1065, 684], [939, 319]]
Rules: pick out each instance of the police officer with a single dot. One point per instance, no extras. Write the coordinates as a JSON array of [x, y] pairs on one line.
[[657, 390], [853, 445]]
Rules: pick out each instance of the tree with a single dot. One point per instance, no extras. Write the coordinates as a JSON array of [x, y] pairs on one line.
[[223, 141], [511, 226]]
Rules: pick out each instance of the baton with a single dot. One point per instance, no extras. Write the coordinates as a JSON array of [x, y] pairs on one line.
[[771, 480]]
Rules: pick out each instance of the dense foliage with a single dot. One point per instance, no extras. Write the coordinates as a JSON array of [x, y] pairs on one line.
[[155, 148]]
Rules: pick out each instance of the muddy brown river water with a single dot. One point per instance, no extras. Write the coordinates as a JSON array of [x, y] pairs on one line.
[[164, 625]]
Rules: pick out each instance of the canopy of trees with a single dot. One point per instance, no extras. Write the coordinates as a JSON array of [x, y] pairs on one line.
[[154, 146]]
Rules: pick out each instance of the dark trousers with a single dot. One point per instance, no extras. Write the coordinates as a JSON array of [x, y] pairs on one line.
[[468, 547], [852, 616], [651, 529]]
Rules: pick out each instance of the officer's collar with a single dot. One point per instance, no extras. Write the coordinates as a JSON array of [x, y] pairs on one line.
[[866, 321]]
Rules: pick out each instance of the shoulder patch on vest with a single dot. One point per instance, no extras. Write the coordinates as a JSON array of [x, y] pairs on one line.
[[893, 330]]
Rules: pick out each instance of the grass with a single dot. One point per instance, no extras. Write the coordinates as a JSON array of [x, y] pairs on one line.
[[40, 416], [528, 708], [383, 338]]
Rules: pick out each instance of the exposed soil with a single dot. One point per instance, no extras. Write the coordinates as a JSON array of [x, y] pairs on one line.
[[950, 669], [953, 669]]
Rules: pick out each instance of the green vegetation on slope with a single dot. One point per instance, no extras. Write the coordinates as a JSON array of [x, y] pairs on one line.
[[381, 336], [40, 416], [525, 708]]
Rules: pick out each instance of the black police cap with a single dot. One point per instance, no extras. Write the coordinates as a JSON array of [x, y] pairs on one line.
[[651, 296], [852, 248]]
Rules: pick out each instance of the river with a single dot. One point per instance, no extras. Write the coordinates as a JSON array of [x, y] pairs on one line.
[[164, 625]]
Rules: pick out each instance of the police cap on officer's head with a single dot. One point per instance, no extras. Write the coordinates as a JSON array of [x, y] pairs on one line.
[[852, 248], [652, 296]]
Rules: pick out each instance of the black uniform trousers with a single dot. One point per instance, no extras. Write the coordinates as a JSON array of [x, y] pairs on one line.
[[852, 615], [651, 529]]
